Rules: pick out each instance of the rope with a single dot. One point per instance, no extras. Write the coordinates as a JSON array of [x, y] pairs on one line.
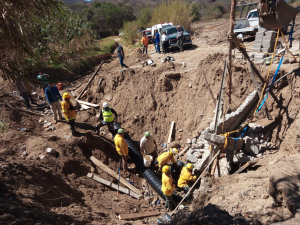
[[258, 104]]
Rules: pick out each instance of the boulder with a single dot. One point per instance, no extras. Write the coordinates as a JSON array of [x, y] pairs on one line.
[[192, 158], [172, 75]]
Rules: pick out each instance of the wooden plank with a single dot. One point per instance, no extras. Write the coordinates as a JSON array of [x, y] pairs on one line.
[[73, 93], [90, 81], [30, 112], [77, 86], [85, 93], [88, 103], [114, 186], [84, 106], [184, 150], [138, 215], [171, 132], [113, 174]]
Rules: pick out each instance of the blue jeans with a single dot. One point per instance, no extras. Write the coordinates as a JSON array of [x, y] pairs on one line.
[[145, 48], [157, 48], [121, 62]]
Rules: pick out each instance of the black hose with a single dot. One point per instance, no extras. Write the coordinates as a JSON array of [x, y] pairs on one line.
[[295, 70], [147, 173]]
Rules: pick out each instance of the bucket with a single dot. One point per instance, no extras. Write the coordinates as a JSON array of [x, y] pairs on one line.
[[147, 160]]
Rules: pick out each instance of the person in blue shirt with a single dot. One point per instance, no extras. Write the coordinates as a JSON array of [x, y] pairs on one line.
[[157, 41], [53, 96]]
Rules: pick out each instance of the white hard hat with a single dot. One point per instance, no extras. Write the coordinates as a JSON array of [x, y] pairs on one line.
[[105, 104]]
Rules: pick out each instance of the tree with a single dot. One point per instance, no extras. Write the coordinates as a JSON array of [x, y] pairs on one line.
[[19, 25]]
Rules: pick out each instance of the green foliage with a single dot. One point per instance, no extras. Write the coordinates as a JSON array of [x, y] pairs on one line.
[[144, 17], [177, 11], [3, 125], [208, 10], [130, 32], [105, 18]]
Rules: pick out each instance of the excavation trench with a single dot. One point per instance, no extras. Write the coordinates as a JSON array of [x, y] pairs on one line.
[[147, 173]]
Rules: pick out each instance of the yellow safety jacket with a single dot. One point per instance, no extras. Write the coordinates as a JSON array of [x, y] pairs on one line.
[[164, 158], [121, 145], [69, 114], [167, 184], [107, 115], [185, 177]]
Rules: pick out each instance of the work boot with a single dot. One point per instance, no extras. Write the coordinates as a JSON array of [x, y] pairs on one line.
[[74, 132]]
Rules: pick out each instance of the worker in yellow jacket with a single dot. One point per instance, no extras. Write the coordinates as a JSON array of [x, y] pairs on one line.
[[168, 186], [69, 113], [165, 157], [186, 178], [122, 147]]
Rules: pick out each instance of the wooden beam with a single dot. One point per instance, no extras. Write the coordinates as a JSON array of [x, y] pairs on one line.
[[171, 132], [30, 112], [90, 81], [84, 106], [88, 103], [113, 174], [184, 150], [85, 93], [112, 185], [73, 93], [138, 215]]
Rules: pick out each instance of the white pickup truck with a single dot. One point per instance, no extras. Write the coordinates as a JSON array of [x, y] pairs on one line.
[[249, 25]]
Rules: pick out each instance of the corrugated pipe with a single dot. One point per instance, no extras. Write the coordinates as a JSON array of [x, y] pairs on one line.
[[146, 172]]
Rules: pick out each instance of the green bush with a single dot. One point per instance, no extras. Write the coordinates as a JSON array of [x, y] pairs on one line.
[[130, 32]]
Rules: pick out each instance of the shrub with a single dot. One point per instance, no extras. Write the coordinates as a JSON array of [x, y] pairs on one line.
[[3, 125], [130, 32], [177, 11]]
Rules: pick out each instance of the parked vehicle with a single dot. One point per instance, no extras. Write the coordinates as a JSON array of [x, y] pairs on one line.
[[250, 24], [172, 32], [159, 27]]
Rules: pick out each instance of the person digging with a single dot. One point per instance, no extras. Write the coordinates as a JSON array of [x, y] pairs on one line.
[[69, 113], [122, 148], [186, 178], [168, 186], [106, 118], [166, 157]]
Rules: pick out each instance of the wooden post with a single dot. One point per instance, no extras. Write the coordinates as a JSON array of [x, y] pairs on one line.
[[90, 81], [171, 133], [230, 36]]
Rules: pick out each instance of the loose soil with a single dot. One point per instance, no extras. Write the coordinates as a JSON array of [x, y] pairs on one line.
[[48, 189]]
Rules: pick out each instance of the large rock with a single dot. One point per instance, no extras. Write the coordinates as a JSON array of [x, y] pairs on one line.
[[252, 146], [172, 75], [192, 159]]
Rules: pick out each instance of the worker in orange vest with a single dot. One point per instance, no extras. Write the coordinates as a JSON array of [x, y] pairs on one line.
[[145, 41]]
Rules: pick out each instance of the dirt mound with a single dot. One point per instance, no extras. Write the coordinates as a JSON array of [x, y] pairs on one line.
[[146, 99]]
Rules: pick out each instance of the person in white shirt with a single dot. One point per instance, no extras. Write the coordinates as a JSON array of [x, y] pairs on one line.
[[147, 144], [165, 42]]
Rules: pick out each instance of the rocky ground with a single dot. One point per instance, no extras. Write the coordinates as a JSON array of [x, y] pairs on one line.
[[38, 187]]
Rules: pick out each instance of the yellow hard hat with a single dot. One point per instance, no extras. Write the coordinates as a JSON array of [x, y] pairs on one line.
[[173, 151], [189, 166], [166, 169], [66, 95]]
